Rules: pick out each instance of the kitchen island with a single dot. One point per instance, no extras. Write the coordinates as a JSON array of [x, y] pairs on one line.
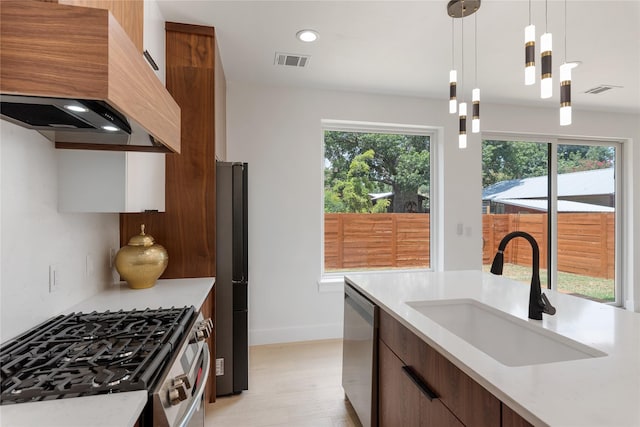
[[116, 409], [602, 388]]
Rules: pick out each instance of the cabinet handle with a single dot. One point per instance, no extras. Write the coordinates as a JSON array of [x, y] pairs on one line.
[[429, 394]]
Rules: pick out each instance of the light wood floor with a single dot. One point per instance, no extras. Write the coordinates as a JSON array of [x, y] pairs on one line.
[[293, 385]]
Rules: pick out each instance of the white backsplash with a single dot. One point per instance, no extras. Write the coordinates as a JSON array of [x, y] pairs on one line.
[[34, 236]]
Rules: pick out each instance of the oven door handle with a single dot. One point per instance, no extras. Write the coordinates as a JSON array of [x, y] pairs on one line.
[[197, 397]]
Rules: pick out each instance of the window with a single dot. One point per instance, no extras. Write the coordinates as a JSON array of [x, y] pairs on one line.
[[377, 197], [578, 240]]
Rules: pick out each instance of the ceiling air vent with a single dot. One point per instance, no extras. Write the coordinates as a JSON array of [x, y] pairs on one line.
[[599, 89], [292, 60]]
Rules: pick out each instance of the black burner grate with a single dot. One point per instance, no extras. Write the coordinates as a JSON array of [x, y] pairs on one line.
[[86, 354]]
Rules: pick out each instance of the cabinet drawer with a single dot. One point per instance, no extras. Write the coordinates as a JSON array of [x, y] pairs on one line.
[[467, 399], [402, 403]]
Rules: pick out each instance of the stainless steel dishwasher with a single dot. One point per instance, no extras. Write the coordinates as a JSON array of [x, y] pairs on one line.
[[360, 355]]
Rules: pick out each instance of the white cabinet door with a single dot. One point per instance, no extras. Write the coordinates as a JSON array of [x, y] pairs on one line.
[[110, 181], [154, 35]]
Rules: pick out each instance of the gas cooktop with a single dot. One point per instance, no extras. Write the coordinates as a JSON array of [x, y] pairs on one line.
[[82, 354]]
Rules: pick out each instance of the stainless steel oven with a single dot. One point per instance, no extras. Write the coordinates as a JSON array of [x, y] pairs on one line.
[[178, 399], [162, 351]]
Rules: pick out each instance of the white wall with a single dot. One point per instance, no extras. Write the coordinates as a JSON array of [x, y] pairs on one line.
[[277, 130], [33, 235]]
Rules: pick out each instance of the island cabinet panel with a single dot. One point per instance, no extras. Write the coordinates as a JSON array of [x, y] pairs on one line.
[[512, 419], [466, 399], [401, 401]]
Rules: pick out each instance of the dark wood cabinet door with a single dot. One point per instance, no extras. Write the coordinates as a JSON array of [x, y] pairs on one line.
[[401, 402], [464, 397], [511, 419]]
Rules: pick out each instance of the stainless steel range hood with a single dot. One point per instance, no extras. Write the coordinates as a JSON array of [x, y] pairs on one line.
[[73, 74]]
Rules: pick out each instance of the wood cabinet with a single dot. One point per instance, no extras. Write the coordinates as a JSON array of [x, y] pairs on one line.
[[128, 13], [409, 370], [187, 227], [402, 401]]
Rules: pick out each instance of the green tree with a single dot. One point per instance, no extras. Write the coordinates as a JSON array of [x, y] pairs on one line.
[[507, 160], [576, 158], [401, 163], [352, 193]]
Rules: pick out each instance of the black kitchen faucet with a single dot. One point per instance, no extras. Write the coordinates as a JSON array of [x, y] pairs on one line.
[[538, 302]]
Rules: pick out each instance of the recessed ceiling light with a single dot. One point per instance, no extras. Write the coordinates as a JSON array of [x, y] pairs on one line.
[[110, 128], [307, 36], [76, 108]]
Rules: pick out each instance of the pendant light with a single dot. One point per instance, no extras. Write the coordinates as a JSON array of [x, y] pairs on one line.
[[530, 52], [453, 77], [475, 93], [460, 9], [546, 42], [462, 136], [565, 80]]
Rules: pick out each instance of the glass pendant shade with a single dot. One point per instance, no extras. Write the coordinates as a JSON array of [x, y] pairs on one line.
[[565, 94], [530, 55], [546, 82], [462, 137], [453, 77], [475, 116]]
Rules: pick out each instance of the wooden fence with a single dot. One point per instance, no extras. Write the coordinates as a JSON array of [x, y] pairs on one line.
[[586, 241], [361, 241]]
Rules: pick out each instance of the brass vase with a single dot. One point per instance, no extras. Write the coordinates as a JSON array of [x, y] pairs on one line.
[[141, 261]]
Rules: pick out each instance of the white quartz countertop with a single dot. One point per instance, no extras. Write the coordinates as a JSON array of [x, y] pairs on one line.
[[117, 409], [598, 391]]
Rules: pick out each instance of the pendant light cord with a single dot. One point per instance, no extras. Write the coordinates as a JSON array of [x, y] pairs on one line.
[[475, 40], [565, 31], [529, 12], [545, 16], [462, 51], [453, 62]]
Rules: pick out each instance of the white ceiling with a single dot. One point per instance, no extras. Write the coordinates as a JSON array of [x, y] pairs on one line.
[[404, 47]]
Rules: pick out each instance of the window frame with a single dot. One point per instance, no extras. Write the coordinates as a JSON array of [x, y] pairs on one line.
[[553, 141], [333, 281]]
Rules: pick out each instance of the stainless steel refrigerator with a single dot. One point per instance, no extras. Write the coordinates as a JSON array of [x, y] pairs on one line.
[[232, 350]]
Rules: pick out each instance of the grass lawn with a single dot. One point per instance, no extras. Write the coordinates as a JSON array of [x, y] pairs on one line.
[[594, 288]]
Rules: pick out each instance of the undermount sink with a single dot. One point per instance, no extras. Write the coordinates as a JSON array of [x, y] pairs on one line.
[[508, 339]]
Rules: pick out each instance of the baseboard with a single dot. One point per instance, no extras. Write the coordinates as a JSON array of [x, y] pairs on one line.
[[295, 334]]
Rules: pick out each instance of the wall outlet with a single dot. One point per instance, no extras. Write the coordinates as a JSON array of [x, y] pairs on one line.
[[54, 278], [219, 367]]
